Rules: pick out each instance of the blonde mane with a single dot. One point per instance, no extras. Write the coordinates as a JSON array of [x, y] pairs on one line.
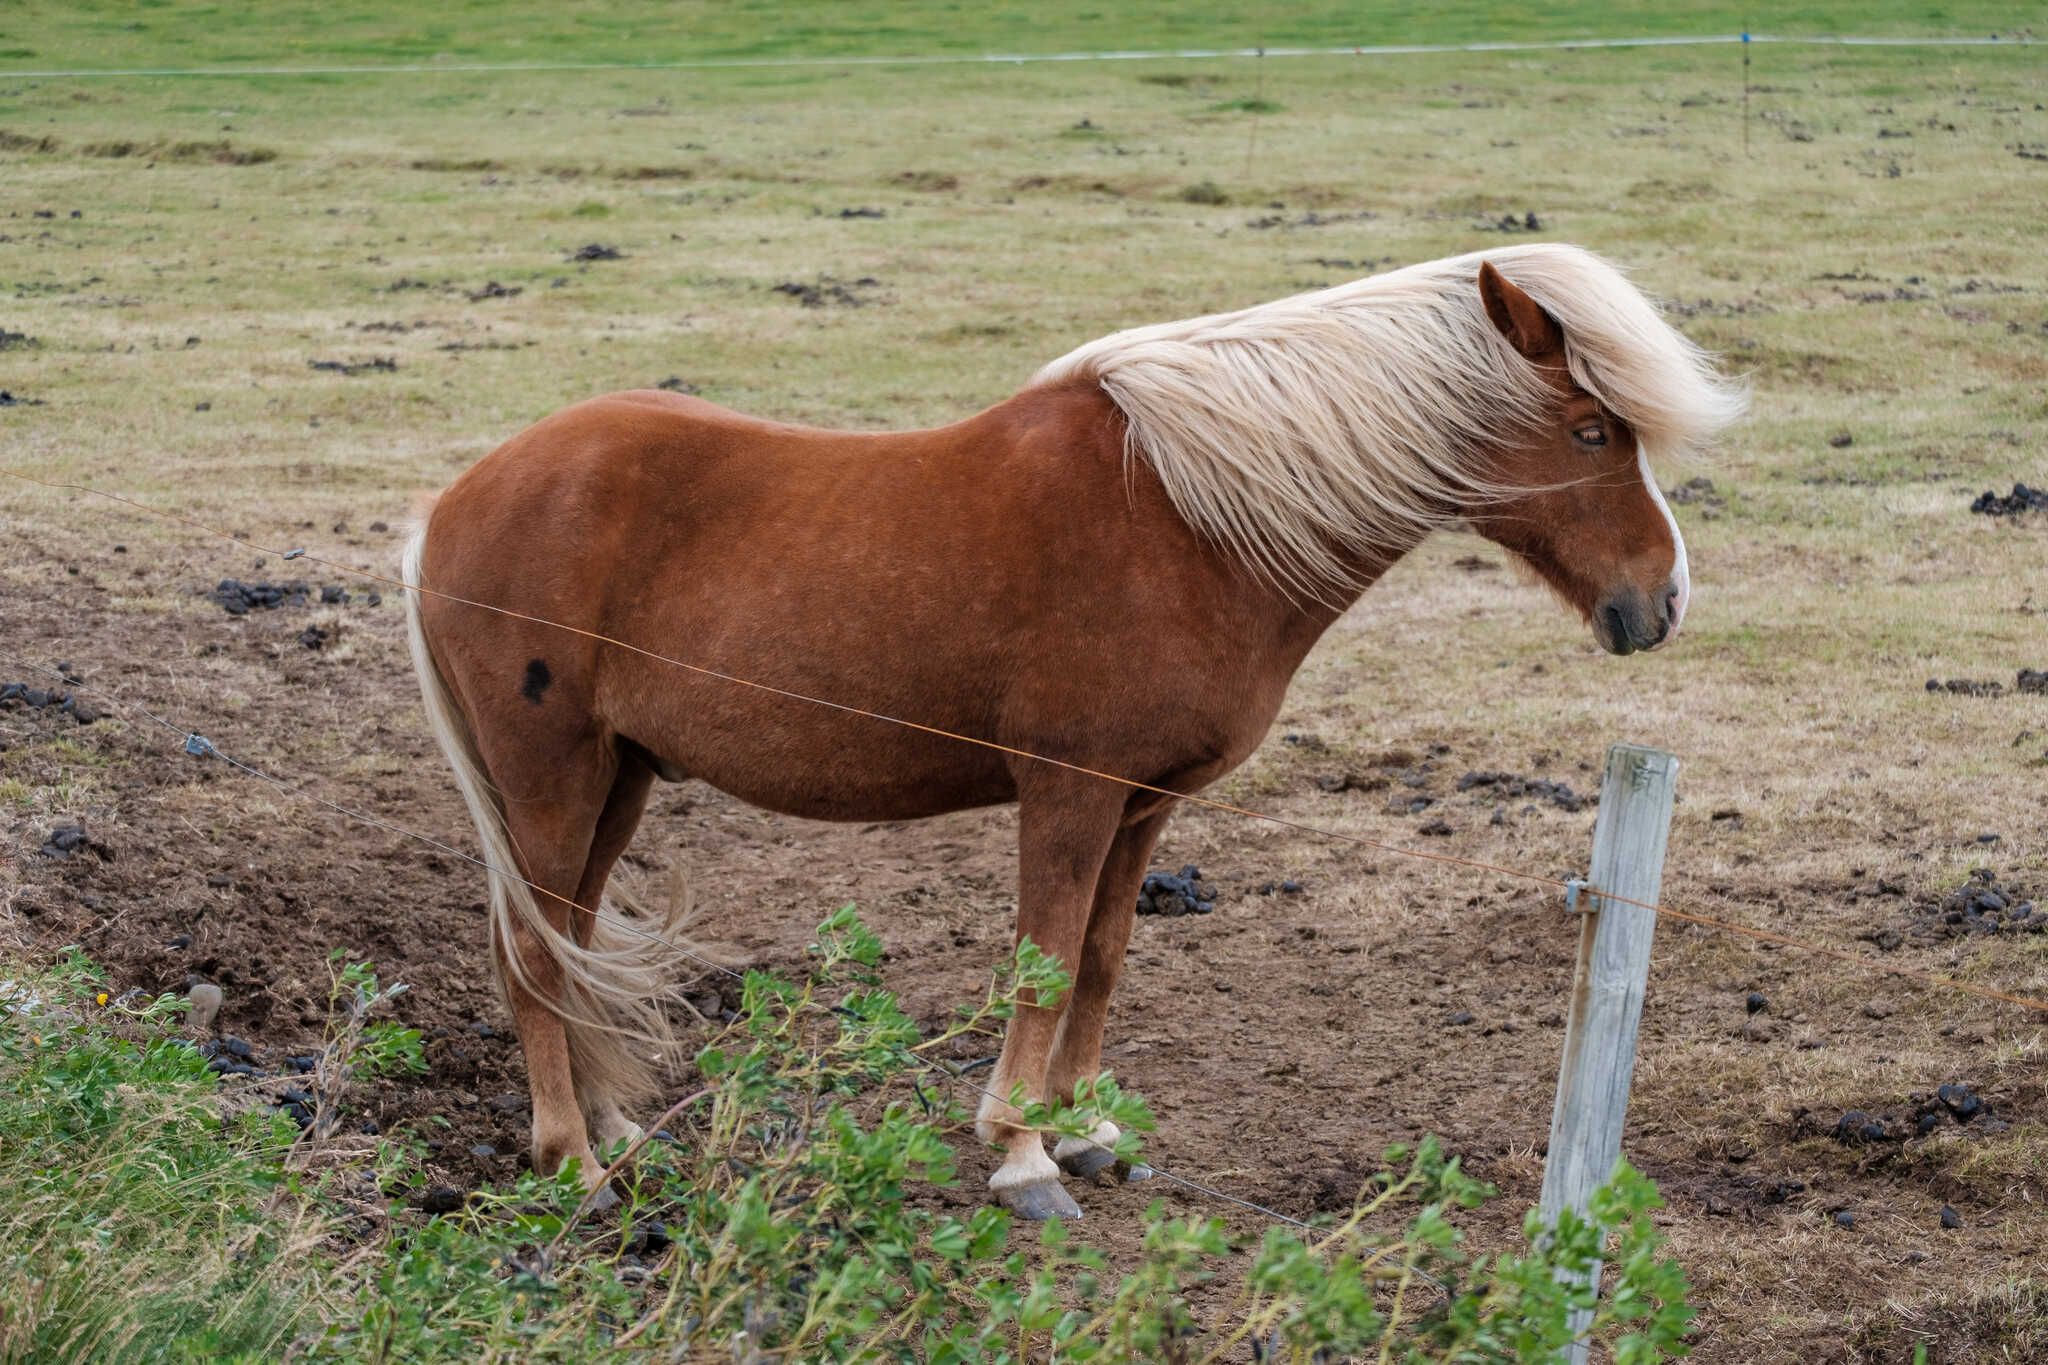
[[1298, 432]]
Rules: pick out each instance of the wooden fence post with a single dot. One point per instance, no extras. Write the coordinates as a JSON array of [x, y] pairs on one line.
[[1629, 838]]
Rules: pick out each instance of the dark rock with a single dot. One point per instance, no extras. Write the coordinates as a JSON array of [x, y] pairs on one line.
[[1950, 1219], [1845, 1219], [596, 251], [181, 941], [483, 1150], [1756, 1003], [236, 1047], [1841, 439], [303, 1064]]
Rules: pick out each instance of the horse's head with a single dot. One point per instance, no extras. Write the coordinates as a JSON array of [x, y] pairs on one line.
[[1583, 509]]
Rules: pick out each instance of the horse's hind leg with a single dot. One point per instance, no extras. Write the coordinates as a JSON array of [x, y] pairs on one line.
[[623, 808], [1077, 1050], [553, 838]]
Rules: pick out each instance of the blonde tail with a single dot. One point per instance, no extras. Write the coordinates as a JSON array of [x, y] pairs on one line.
[[614, 990]]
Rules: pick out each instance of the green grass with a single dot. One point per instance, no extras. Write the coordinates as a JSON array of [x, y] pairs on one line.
[[100, 34]]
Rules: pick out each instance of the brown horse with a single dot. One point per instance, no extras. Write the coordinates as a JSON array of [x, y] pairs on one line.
[[1236, 479]]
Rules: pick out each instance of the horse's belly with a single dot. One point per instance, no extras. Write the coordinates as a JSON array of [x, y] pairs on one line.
[[833, 767]]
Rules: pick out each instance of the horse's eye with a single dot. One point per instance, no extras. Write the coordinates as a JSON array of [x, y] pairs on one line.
[[1591, 436]]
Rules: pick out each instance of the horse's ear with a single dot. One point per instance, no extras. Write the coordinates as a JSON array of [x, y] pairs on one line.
[[1520, 318]]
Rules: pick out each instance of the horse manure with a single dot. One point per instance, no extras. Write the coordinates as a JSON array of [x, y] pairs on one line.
[[2022, 499], [382, 364], [440, 1199], [1982, 906], [1350, 782], [1513, 785], [1186, 894], [237, 598], [862, 212], [493, 290], [828, 291], [1967, 687], [65, 840], [1960, 1103], [596, 251]]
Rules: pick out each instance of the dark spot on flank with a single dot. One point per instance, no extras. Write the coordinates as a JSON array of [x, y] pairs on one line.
[[537, 680]]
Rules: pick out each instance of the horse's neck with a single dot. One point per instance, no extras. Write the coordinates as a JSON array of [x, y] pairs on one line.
[[1302, 623]]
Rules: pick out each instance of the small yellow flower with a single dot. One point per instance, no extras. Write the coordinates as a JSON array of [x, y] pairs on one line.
[[101, 997]]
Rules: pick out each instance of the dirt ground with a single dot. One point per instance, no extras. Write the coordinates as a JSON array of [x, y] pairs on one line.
[[1283, 1039]]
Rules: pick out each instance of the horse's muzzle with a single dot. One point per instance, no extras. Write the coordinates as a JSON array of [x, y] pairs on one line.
[[1629, 620]]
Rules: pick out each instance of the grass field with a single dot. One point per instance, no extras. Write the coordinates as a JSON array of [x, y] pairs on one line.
[[887, 246]]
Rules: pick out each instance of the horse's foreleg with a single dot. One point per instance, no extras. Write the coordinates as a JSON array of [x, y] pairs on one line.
[[1077, 1050], [1065, 827]]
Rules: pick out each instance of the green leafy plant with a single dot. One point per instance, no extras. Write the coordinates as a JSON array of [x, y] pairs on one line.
[[782, 1215]]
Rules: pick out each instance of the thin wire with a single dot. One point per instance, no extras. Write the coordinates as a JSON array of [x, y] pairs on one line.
[[1317, 831], [1010, 58], [210, 749]]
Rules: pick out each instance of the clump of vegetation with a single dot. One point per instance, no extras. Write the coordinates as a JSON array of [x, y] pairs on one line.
[[1204, 192], [155, 1214], [1248, 104]]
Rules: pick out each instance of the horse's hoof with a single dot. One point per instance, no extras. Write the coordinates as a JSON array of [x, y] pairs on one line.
[[1039, 1201], [1087, 1162]]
